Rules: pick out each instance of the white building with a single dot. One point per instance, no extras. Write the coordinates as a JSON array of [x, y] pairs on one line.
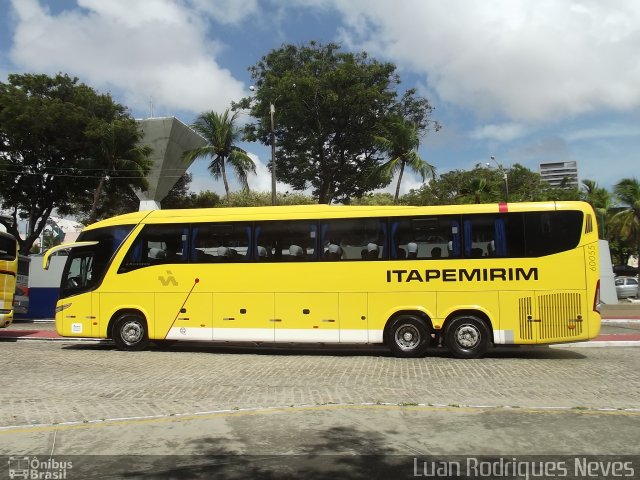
[[560, 174]]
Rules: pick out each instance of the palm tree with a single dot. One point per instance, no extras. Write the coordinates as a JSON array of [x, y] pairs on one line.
[[221, 134], [401, 145], [600, 199], [117, 150], [628, 221]]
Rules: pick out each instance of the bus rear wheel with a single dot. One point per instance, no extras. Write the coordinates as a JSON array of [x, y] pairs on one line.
[[130, 332], [467, 336], [408, 336]]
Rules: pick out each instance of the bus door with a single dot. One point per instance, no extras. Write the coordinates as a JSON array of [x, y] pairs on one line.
[[183, 316], [243, 317], [81, 320], [306, 317], [354, 319]]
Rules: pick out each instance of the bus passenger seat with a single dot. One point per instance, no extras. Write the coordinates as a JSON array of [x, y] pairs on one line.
[[262, 252], [412, 248], [223, 252], [372, 251], [334, 252], [296, 252], [157, 254]]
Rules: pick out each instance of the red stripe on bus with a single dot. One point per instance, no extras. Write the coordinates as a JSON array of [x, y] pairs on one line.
[[503, 207]]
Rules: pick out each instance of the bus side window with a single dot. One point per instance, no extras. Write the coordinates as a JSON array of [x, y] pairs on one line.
[[479, 235], [354, 239], [220, 242], [156, 245], [546, 233], [425, 238], [286, 241]]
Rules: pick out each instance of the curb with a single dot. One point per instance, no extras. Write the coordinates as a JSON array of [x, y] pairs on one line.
[[102, 341], [598, 343]]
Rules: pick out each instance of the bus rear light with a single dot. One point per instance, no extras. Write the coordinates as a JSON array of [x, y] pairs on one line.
[[62, 307], [597, 304]]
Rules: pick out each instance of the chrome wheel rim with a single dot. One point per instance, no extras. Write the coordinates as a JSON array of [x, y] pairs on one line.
[[468, 336], [407, 337], [132, 332]]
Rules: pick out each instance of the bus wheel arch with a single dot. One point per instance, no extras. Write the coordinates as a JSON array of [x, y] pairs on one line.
[[407, 333], [129, 330], [467, 333]]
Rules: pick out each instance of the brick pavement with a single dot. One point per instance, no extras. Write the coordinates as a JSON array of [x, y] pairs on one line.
[[53, 382]]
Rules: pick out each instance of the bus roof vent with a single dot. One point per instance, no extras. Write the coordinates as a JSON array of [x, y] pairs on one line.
[[588, 226]]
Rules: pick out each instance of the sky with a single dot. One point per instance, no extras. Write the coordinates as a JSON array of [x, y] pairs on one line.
[[524, 81]]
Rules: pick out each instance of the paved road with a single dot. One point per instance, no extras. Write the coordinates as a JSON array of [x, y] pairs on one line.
[[71, 399], [52, 382]]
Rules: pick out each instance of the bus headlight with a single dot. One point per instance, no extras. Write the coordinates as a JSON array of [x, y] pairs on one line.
[[62, 307]]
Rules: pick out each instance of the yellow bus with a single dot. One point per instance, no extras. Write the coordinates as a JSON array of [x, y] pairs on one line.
[[8, 275], [465, 276]]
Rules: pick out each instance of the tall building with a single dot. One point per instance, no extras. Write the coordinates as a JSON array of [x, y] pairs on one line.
[[560, 174]]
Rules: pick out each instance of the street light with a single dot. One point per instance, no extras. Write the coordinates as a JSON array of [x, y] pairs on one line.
[[272, 111], [504, 176]]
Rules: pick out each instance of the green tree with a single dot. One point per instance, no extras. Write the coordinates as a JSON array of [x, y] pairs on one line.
[[45, 148], [180, 197], [263, 199], [600, 199], [400, 143], [329, 105], [486, 185], [378, 198], [626, 223], [221, 134], [117, 153]]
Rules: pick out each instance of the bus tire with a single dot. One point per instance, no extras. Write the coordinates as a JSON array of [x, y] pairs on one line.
[[130, 332], [408, 336], [467, 336]]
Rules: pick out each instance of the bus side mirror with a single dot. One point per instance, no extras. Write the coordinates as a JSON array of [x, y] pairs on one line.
[[46, 259]]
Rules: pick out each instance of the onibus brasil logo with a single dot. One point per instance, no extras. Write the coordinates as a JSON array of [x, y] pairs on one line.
[[35, 469]]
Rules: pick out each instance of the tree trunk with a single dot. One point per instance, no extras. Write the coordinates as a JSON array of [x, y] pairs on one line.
[[96, 197], [323, 194], [224, 179], [395, 199]]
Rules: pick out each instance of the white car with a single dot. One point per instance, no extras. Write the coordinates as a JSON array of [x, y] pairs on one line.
[[626, 287]]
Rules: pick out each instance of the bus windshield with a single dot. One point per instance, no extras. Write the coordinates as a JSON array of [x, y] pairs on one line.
[[87, 265], [8, 248], [8, 274]]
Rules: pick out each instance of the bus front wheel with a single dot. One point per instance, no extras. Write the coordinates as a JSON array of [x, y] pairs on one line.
[[467, 336], [130, 332], [408, 336]]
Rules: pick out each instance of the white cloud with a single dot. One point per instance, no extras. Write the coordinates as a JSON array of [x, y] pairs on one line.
[[521, 59], [610, 131], [502, 133], [155, 49], [227, 11], [261, 182]]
